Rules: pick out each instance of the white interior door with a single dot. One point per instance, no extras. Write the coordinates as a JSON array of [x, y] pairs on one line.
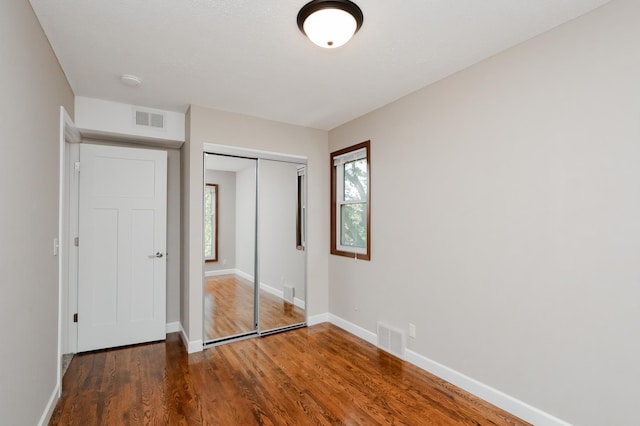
[[122, 237]]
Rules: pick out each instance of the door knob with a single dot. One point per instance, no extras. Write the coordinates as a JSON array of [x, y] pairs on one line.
[[158, 254]]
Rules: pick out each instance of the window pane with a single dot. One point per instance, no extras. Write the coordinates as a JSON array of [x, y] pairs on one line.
[[353, 225], [208, 223], [207, 203], [355, 180], [208, 234]]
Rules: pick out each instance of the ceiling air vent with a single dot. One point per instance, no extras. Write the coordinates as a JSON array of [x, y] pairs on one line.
[[149, 119]]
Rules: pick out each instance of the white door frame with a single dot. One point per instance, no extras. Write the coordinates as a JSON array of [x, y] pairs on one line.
[[69, 199], [69, 138]]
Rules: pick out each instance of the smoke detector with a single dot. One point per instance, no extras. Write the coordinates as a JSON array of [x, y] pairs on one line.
[[130, 80]]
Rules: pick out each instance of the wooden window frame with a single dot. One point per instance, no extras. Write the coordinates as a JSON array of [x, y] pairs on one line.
[[301, 208], [215, 224], [334, 219]]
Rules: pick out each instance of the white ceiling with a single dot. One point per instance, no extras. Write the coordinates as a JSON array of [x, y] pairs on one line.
[[248, 56]]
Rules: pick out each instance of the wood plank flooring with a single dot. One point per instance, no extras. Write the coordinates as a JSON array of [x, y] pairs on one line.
[[228, 308], [319, 375]]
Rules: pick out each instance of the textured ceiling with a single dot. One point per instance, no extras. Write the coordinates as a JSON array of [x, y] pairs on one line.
[[248, 56]]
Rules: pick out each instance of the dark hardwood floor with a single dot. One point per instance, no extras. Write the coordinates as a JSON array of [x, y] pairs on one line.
[[228, 308], [319, 375]]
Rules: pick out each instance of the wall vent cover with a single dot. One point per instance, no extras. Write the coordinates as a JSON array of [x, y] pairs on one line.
[[149, 119], [288, 293], [391, 339]]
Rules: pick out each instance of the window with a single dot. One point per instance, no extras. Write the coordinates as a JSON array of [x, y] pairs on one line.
[[211, 222], [301, 212], [350, 202]]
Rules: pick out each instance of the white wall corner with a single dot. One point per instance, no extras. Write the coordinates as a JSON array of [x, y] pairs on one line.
[[192, 346], [51, 405], [173, 327], [499, 399]]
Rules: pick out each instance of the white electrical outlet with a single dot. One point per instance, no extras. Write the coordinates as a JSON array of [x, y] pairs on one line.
[[224, 261], [412, 331]]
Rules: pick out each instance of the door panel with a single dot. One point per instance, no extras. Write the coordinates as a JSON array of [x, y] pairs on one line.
[[142, 244], [104, 266], [121, 281]]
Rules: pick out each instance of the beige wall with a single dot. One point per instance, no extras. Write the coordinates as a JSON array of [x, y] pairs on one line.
[[514, 247], [281, 263], [246, 221], [226, 182], [33, 87], [218, 127], [173, 236], [185, 254], [505, 220]]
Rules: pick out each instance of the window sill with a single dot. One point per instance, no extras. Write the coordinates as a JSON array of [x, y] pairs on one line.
[[351, 254]]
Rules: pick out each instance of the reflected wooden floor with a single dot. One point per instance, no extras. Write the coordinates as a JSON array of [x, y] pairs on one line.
[[228, 308], [319, 375]]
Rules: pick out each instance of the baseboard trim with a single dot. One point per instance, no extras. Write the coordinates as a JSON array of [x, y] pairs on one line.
[[494, 396], [272, 290], [356, 330], [299, 303], [219, 272], [280, 295], [318, 319], [243, 274], [51, 405], [498, 398], [192, 346], [173, 327]]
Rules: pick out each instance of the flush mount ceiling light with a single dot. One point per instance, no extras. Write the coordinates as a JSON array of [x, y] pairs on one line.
[[330, 23]]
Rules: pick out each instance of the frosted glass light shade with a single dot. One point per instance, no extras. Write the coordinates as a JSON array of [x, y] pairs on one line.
[[330, 28], [330, 23]]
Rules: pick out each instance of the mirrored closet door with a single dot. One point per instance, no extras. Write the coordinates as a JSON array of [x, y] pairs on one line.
[[254, 246], [229, 220], [282, 257]]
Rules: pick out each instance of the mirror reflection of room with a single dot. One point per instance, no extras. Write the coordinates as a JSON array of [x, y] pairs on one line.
[[233, 304], [282, 257], [229, 280]]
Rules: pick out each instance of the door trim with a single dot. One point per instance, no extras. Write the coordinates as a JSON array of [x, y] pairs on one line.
[[69, 137], [213, 148]]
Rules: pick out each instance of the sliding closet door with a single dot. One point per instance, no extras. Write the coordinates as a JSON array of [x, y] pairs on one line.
[[229, 219], [282, 254]]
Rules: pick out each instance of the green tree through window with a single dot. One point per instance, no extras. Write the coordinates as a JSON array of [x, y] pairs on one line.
[[211, 222], [350, 181], [353, 212]]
